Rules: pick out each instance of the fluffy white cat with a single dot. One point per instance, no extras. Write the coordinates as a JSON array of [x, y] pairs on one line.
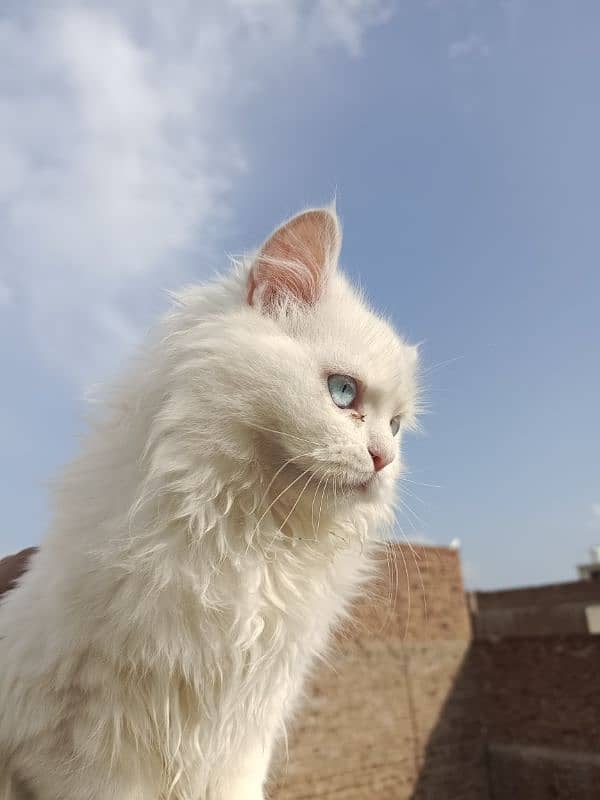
[[221, 517]]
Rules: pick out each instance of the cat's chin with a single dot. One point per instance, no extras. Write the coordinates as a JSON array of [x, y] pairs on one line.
[[360, 488]]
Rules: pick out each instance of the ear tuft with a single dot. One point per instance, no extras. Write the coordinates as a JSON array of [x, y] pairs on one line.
[[296, 260]]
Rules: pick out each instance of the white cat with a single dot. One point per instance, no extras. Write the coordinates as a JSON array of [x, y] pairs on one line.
[[220, 518]]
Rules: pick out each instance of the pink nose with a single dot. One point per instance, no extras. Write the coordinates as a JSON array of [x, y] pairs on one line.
[[380, 461]]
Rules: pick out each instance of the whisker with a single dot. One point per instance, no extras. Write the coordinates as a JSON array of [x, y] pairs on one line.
[[420, 574], [441, 364], [282, 433], [408, 595], [266, 492], [404, 490], [335, 492], [281, 493], [280, 470], [312, 510], [293, 508], [395, 581], [391, 587], [420, 483], [321, 505], [406, 507]]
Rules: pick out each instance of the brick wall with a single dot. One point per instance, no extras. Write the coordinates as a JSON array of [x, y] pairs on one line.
[[538, 773], [546, 596], [553, 610], [539, 692], [528, 621], [417, 710], [400, 710], [418, 596]]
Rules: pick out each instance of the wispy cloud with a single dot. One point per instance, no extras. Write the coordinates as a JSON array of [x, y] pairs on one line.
[[472, 45], [121, 145]]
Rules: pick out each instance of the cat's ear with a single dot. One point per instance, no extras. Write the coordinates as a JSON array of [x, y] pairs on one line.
[[295, 261]]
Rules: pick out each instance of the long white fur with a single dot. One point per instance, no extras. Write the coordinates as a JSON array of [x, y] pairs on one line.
[[161, 638]]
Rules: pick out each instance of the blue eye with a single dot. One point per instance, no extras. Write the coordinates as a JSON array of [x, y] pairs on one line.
[[395, 424], [342, 389]]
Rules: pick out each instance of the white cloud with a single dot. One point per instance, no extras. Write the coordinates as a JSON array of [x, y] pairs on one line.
[[121, 144], [472, 45]]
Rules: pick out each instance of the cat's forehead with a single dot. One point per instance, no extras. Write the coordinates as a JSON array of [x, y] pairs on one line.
[[357, 340]]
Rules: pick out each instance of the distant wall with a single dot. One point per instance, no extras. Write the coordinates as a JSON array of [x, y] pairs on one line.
[[553, 610], [539, 687], [538, 773], [547, 595], [373, 728], [562, 620], [417, 709]]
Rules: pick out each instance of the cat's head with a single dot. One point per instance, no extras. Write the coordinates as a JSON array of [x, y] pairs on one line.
[[303, 382], [331, 385]]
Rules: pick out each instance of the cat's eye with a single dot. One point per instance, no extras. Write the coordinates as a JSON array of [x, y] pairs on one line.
[[395, 424], [343, 390]]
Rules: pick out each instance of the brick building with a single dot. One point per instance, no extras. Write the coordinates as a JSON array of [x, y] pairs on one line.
[[537, 659], [374, 728], [438, 696]]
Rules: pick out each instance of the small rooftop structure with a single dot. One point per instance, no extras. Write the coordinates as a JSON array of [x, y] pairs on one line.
[[591, 571]]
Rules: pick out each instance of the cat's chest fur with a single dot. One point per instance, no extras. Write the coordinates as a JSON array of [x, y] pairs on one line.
[[260, 614], [175, 679], [239, 651]]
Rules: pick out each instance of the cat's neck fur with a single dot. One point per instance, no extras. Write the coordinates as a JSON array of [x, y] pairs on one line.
[[152, 521]]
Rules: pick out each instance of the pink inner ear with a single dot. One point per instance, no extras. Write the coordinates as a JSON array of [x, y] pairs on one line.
[[295, 259]]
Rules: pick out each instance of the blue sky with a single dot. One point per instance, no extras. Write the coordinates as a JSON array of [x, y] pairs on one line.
[[138, 145]]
